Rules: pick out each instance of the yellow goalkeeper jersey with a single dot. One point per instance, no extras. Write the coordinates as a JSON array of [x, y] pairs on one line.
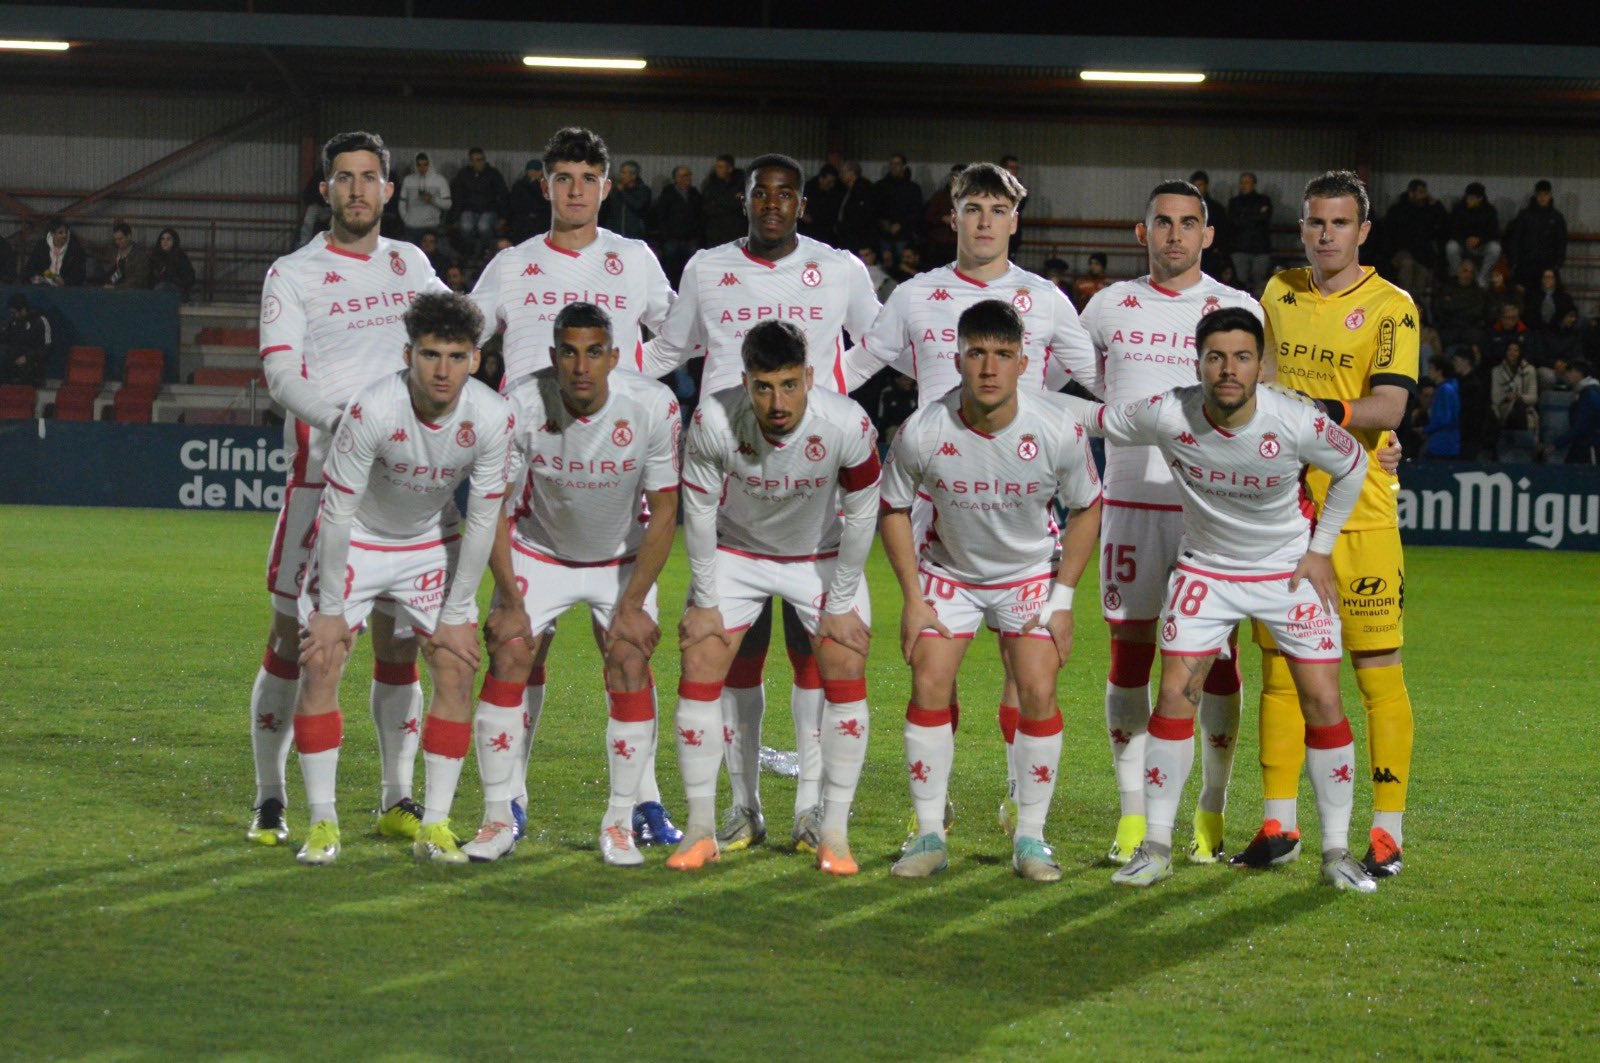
[[1338, 347]]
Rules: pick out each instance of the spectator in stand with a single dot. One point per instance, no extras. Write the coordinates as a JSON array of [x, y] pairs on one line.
[[1443, 430], [858, 208], [130, 264], [899, 210], [1474, 233], [722, 199], [1462, 308], [478, 194], [1536, 239], [1507, 328], [527, 207], [1548, 304], [882, 283], [1477, 419], [820, 221], [1220, 253], [1415, 420], [1514, 392], [424, 198], [1581, 440], [938, 234], [455, 278], [1090, 281], [1250, 225], [317, 211], [909, 266], [1413, 231], [57, 259], [1013, 166], [679, 223], [24, 344], [439, 256], [627, 209], [896, 402], [1059, 273], [170, 268], [491, 360]]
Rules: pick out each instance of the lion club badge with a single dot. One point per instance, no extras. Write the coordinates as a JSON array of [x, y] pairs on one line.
[[1169, 630], [397, 264], [1022, 301], [1269, 446], [815, 450], [613, 263], [1356, 319], [1212, 303], [1113, 599], [622, 435], [465, 436], [811, 276], [1027, 450]]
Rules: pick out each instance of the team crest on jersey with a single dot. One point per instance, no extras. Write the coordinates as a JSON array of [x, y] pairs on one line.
[[1169, 630], [622, 435], [1212, 303], [1022, 301], [270, 309], [346, 441], [397, 264], [1028, 449], [815, 450], [613, 263], [465, 436], [744, 448], [1356, 318], [811, 276], [1269, 446]]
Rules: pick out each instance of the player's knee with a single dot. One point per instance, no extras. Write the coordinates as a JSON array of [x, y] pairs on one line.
[[1036, 696], [626, 667], [511, 661], [1321, 705]]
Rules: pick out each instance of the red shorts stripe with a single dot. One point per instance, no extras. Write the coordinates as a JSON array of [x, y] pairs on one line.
[[501, 693], [528, 551], [446, 738], [387, 548], [1227, 577], [844, 691], [1045, 728], [691, 691], [1117, 503], [395, 673], [320, 733], [1047, 574], [779, 557], [1170, 728], [918, 717], [632, 706]]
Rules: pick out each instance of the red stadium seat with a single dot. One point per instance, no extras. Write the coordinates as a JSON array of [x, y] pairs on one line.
[[132, 405], [16, 401], [75, 402], [86, 366], [142, 369]]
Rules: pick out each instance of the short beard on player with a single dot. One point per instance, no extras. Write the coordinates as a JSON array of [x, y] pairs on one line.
[[357, 231], [1245, 395]]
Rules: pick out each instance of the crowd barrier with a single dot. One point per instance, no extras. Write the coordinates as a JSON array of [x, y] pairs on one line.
[[117, 321], [177, 466]]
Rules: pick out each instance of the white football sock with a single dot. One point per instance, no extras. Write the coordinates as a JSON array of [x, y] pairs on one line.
[[930, 755], [1168, 758], [532, 707], [498, 729], [396, 701], [649, 788], [843, 749], [1286, 811], [1127, 718], [1330, 762], [1038, 757], [1219, 727], [741, 710], [806, 704], [445, 744], [629, 730], [1389, 821], [698, 723], [272, 699]]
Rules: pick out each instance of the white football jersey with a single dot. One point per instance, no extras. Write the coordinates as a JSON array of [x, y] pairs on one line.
[[1143, 335], [1244, 507], [780, 498], [991, 494], [525, 287], [578, 482], [403, 471], [916, 330], [725, 290]]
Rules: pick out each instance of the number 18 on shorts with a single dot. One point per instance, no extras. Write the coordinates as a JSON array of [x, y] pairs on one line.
[[1202, 607]]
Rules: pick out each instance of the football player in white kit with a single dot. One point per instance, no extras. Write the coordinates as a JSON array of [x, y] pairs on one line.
[[780, 484], [522, 289], [594, 505], [773, 272], [992, 458], [1143, 332], [1248, 552], [330, 324], [916, 334], [388, 528]]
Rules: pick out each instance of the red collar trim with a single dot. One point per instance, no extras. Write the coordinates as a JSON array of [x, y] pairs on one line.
[[346, 254], [758, 259], [968, 424], [1164, 291], [562, 250], [969, 280], [1207, 415]]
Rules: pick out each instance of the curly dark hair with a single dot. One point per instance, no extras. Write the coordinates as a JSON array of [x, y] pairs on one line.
[[447, 316], [576, 144]]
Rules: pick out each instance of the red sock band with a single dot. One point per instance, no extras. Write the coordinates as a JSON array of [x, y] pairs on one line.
[[844, 691], [447, 738], [745, 672], [1130, 663], [699, 691], [1171, 728], [806, 676], [278, 667], [536, 676], [1331, 737], [633, 706], [501, 692], [394, 673], [1040, 728], [1224, 676], [1009, 715], [955, 716], [319, 733], [926, 717]]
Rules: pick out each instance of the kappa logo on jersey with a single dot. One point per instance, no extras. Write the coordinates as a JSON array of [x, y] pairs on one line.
[[866, 425], [691, 737], [501, 741], [1120, 737], [1212, 303], [697, 415], [1187, 438], [1113, 599], [332, 278], [397, 264], [1288, 299], [613, 264], [532, 270], [918, 771], [1356, 318], [1155, 777], [1342, 774], [550, 426], [1269, 446], [267, 721], [270, 309], [1384, 775], [1132, 302], [728, 281], [1408, 322], [622, 435], [1325, 644], [1027, 449], [939, 296], [430, 581], [1022, 301], [355, 412], [811, 276], [465, 436], [1153, 399], [622, 749], [1304, 612], [815, 450], [672, 408], [949, 451], [746, 449], [399, 436], [850, 728]]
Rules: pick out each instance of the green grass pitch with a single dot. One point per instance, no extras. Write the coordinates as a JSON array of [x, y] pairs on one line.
[[138, 924]]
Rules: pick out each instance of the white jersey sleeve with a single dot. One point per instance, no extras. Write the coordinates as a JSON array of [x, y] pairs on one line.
[[681, 333], [1069, 348]]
